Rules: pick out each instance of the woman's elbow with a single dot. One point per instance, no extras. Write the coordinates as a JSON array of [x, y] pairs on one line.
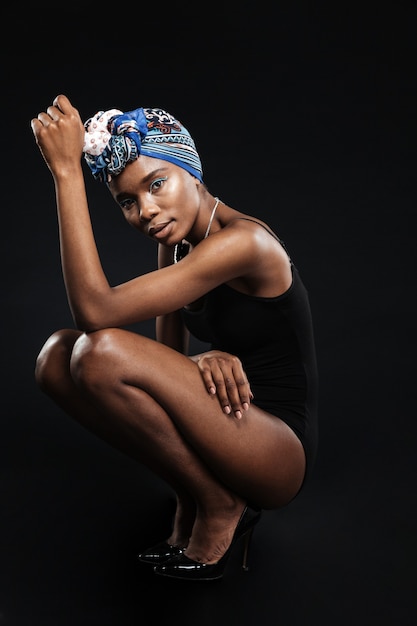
[[88, 322]]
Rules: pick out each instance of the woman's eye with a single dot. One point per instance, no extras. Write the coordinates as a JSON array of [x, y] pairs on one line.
[[157, 184], [126, 204]]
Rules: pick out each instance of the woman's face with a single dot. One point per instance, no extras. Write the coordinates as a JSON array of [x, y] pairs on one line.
[[158, 198]]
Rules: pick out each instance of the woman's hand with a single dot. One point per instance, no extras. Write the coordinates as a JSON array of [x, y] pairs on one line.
[[59, 134], [223, 375]]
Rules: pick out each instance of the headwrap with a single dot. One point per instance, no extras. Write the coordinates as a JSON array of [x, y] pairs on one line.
[[113, 139]]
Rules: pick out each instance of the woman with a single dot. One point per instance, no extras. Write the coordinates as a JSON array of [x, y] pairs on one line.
[[232, 430]]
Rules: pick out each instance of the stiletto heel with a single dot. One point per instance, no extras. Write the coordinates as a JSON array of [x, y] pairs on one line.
[[181, 567], [159, 553]]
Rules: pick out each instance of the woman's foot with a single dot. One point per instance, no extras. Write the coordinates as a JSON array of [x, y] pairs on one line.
[[159, 553], [182, 567], [183, 523], [213, 533], [179, 538]]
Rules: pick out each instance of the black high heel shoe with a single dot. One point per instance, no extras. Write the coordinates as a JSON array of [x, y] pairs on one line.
[[180, 566], [159, 553]]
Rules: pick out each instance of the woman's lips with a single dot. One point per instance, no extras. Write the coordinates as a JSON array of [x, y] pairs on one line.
[[160, 231]]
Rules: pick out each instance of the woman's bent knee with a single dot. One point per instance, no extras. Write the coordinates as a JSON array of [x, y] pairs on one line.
[[54, 357], [101, 359], [92, 356]]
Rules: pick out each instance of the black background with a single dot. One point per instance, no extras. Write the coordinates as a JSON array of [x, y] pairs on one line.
[[304, 115]]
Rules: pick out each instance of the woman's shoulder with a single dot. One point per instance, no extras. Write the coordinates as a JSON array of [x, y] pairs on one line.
[[265, 262]]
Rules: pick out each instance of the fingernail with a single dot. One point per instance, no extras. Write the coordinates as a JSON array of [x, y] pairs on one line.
[[226, 409], [238, 415], [212, 390], [245, 406]]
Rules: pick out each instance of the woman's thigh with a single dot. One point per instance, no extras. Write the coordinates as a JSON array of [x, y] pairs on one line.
[[257, 454]]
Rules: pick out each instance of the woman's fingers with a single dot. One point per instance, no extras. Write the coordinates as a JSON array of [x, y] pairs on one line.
[[223, 375], [59, 133], [62, 103], [205, 369]]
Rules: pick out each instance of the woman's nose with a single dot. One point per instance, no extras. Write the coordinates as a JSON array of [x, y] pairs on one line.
[[147, 211]]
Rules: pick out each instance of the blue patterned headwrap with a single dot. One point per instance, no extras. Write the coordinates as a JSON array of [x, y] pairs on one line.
[[113, 139]]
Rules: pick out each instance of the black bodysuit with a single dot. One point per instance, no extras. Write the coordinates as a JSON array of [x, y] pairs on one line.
[[273, 337]]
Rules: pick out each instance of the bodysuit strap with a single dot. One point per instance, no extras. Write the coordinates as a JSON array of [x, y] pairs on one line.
[[182, 249]]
